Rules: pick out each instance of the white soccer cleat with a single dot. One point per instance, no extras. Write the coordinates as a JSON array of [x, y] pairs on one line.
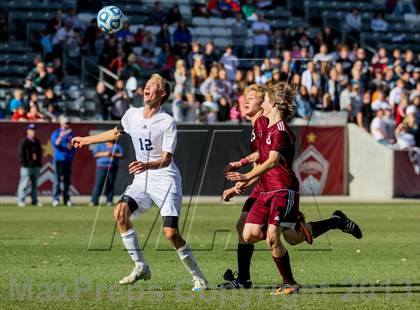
[[200, 284], [55, 203], [21, 204], [137, 274], [69, 204]]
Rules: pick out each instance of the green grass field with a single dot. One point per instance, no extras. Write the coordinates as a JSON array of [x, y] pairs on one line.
[[52, 258]]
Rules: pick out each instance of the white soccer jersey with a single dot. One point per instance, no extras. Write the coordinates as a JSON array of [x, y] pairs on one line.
[[151, 137]]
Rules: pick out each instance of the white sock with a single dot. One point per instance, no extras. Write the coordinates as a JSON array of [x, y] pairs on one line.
[[132, 245], [187, 258]]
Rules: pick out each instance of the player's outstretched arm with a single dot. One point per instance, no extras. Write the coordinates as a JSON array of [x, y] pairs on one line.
[[251, 158], [109, 135], [259, 170]]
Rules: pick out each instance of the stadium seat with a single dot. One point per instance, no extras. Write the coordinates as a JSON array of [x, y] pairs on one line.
[[134, 28], [221, 42], [220, 32], [203, 40], [153, 29], [89, 108], [216, 22], [229, 21], [202, 31], [89, 93], [200, 21]]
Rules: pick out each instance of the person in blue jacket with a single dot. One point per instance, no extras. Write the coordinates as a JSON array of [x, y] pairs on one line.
[[63, 158]]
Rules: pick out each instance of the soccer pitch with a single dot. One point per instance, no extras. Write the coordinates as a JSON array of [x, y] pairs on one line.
[[61, 258]]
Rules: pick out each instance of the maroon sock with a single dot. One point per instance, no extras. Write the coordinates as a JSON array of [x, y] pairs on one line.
[[284, 268]]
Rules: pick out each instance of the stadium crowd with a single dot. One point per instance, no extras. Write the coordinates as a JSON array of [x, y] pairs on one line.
[[380, 92]]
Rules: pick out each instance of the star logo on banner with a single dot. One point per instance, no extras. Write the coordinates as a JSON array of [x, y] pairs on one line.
[[47, 149], [311, 137]]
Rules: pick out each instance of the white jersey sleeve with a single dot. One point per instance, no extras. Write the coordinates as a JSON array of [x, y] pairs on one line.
[[125, 120], [169, 138]]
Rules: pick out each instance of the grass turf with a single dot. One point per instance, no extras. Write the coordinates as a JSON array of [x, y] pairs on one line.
[[67, 258]]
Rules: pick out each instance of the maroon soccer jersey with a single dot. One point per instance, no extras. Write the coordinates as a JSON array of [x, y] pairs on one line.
[[280, 138], [257, 131]]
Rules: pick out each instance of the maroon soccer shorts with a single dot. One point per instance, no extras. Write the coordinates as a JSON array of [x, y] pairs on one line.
[[251, 198], [274, 208]]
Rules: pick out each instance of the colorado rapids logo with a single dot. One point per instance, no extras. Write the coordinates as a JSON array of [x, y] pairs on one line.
[[311, 169]]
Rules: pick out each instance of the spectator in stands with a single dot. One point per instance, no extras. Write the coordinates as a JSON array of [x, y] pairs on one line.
[[195, 51], [71, 17], [344, 60], [208, 87], [210, 108], [378, 23], [223, 112], [131, 68], [137, 100], [149, 42], [19, 114], [261, 31], [63, 35], [380, 103], [182, 35], [17, 100], [107, 159], [46, 43], [210, 56], [125, 34], [147, 59], [198, 73], [223, 86], [353, 23], [191, 108], [109, 52], [230, 63], [177, 107], [34, 115], [380, 60], [364, 113], [235, 113], [377, 128], [405, 139], [180, 77], [409, 63], [303, 105], [131, 84], [157, 16], [323, 54], [55, 23], [116, 65], [42, 79], [307, 75], [63, 158], [119, 102], [30, 156], [329, 38], [248, 9], [174, 15], [90, 36], [400, 111], [163, 37], [404, 6], [102, 102], [239, 35], [396, 93]]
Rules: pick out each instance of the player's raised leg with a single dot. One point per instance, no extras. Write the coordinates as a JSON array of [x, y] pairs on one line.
[[122, 212], [171, 231]]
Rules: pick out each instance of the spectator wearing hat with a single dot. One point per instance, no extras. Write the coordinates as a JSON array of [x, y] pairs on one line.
[[63, 158], [30, 155]]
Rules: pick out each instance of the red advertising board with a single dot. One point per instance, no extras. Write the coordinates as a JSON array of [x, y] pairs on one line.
[[320, 159], [406, 174]]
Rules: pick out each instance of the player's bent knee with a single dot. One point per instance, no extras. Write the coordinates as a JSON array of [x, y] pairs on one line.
[[171, 234]]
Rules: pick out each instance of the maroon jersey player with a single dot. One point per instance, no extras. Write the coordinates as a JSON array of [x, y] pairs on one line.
[[254, 96], [278, 202]]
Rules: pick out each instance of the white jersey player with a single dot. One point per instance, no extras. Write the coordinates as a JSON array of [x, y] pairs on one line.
[[157, 178]]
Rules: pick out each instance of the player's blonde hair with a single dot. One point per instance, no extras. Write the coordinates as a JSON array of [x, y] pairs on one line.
[[283, 95], [163, 85], [258, 89]]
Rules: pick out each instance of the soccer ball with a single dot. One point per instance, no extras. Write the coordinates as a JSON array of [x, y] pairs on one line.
[[110, 19]]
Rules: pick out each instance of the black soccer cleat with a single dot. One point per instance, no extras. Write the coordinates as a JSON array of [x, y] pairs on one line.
[[347, 225], [233, 283]]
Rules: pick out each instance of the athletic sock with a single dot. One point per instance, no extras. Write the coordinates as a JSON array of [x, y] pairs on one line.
[[244, 255], [131, 243], [321, 227], [284, 268], [188, 259]]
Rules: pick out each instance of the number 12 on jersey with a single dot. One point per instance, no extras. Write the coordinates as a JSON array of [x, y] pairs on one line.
[[146, 145]]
